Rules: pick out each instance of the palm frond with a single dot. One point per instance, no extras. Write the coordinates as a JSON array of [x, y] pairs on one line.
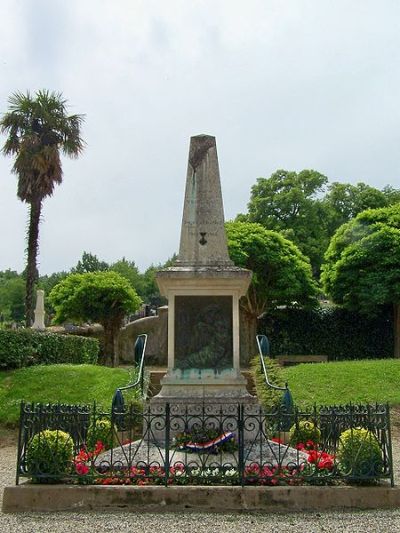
[[38, 129]]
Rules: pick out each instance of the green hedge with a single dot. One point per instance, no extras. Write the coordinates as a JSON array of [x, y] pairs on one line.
[[26, 347], [331, 331], [269, 398]]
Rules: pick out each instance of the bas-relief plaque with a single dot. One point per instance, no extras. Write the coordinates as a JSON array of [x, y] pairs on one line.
[[203, 332]]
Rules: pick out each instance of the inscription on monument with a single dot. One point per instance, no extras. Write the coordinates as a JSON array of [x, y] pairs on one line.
[[203, 332]]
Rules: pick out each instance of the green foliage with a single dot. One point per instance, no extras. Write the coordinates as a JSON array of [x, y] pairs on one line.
[[65, 384], [344, 382], [49, 452], [281, 273], [100, 430], [151, 294], [26, 347], [104, 297], [361, 267], [89, 263], [392, 194], [12, 295], [130, 272], [303, 431], [333, 331], [270, 399], [345, 201], [97, 296], [38, 128], [291, 203], [287, 202], [362, 264], [359, 453]]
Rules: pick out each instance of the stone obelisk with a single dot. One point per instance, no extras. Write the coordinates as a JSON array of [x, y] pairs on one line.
[[203, 238], [203, 289]]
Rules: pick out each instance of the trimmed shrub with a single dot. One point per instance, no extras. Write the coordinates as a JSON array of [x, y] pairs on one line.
[[26, 347], [100, 430], [49, 454], [359, 453], [304, 431], [270, 399], [333, 331]]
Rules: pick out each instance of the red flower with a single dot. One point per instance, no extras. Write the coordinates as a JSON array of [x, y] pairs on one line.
[[98, 448], [81, 469]]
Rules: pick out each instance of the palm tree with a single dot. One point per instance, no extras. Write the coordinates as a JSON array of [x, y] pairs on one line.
[[38, 129]]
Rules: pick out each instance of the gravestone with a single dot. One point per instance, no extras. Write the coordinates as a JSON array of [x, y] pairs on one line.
[[38, 323], [203, 289]]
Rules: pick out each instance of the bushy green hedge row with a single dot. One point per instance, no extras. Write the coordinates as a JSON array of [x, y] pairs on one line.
[[26, 347], [331, 331]]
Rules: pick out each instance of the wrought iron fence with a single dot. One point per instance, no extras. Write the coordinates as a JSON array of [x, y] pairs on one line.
[[204, 444]]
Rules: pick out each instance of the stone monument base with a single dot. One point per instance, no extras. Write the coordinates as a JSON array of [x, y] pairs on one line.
[[185, 385], [201, 397]]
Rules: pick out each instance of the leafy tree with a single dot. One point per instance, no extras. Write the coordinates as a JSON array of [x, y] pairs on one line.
[[344, 201], [38, 129], [362, 264], [130, 271], [12, 295], [90, 263], [392, 194], [104, 297], [288, 202], [281, 273], [151, 293]]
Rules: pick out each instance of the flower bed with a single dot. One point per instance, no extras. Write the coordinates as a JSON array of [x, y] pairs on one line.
[[353, 446]]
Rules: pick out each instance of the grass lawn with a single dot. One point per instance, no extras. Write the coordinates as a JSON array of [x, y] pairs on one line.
[[322, 383], [345, 381], [74, 384]]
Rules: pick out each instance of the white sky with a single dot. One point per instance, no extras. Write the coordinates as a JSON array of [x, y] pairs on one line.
[[281, 84]]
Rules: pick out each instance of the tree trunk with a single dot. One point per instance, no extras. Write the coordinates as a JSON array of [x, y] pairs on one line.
[[111, 331], [396, 329], [31, 266]]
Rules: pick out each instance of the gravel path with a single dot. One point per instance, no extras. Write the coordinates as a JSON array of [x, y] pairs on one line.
[[349, 521]]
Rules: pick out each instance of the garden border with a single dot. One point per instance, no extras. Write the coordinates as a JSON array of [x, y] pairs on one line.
[[39, 498]]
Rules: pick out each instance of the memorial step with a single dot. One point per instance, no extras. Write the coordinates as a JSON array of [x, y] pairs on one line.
[[156, 374]]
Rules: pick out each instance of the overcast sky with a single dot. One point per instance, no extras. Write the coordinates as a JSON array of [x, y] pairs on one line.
[[288, 84]]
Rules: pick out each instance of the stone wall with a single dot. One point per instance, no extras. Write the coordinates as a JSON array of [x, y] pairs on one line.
[[156, 327]]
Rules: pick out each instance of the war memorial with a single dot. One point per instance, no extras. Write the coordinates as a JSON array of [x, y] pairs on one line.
[[203, 441]]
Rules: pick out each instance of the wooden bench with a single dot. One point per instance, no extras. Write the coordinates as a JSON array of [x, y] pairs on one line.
[[289, 360]]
